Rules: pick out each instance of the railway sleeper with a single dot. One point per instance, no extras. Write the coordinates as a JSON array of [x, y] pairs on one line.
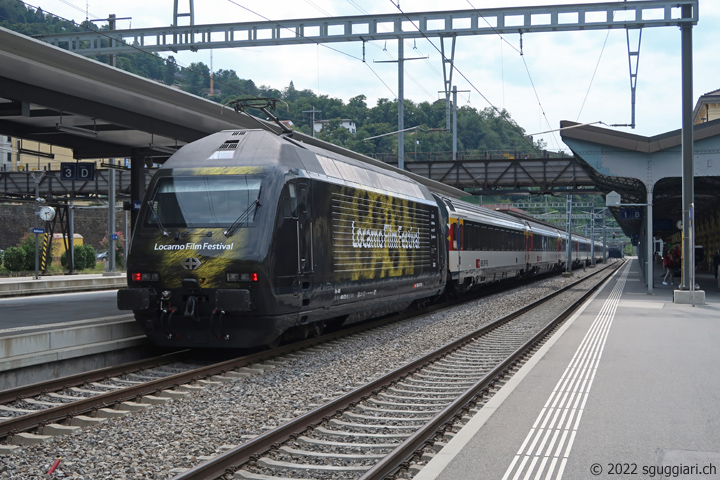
[[423, 393], [327, 443], [334, 421], [270, 463], [434, 399], [449, 389], [418, 401], [387, 411], [451, 375], [373, 418], [245, 475], [382, 404], [346, 456], [453, 382], [342, 433]]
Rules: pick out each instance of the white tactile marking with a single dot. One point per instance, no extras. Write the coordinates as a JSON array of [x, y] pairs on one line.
[[560, 417]]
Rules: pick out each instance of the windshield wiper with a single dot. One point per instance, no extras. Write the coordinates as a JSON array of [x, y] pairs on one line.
[[243, 218], [157, 218]]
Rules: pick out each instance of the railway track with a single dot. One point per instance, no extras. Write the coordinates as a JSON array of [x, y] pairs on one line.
[[83, 399], [86, 398], [374, 431]]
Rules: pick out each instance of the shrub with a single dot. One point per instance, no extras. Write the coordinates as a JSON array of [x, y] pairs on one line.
[[14, 259], [83, 256], [90, 256], [27, 243]]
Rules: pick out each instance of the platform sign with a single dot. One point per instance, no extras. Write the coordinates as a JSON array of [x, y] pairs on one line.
[[77, 171], [662, 224], [37, 230], [631, 214], [68, 171], [85, 171]]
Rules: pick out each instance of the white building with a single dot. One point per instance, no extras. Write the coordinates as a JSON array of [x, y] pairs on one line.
[[345, 122], [6, 153]]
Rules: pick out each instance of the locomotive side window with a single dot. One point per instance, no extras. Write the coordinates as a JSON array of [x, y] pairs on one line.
[[290, 203], [203, 201], [302, 199]]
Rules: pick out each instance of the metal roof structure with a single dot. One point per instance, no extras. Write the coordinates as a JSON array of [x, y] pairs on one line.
[[502, 176], [53, 96], [635, 166]]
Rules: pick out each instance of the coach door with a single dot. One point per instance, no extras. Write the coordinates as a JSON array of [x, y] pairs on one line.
[[305, 251], [528, 245], [294, 245]]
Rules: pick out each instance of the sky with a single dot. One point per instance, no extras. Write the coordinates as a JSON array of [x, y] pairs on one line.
[[577, 76]]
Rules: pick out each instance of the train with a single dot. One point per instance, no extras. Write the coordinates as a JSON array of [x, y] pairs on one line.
[[246, 237]]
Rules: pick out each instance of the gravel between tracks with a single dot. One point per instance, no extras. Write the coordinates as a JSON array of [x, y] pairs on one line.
[[150, 444]]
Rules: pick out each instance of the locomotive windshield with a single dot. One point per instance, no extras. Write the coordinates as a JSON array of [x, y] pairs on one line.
[[202, 201]]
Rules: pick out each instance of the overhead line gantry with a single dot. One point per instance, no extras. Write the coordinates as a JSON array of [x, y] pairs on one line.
[[447, 25]]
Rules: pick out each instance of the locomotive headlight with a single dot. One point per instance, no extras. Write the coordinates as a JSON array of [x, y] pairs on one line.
[[145, 277], [241, 277]]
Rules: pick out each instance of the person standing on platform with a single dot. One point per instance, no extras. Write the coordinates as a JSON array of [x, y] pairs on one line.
[[669, 264]]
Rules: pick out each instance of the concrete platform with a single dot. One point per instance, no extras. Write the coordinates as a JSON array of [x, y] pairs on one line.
[[59, 350], [20, 286], [628, 388]]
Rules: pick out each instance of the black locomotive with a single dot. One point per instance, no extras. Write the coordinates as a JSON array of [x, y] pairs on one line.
[[244, 236]]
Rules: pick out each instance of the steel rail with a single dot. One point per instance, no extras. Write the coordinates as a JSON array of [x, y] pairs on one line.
[[405, 451], [12, 425], [25, 391], [230, 460]]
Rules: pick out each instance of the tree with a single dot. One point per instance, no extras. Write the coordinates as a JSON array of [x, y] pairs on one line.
[[170, 70], [290, 94], [197, 78]]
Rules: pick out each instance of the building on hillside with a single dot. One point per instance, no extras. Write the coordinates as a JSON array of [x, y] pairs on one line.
[[345, 122], [707, 108]]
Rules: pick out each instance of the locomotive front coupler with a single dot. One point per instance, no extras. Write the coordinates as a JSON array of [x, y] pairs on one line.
[[166, 317], [165, 300], [192, 287]]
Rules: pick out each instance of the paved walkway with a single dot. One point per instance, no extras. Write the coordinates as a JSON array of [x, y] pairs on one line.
[[628, 388]]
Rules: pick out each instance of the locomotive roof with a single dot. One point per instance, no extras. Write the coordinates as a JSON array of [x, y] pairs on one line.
[[259, 148]]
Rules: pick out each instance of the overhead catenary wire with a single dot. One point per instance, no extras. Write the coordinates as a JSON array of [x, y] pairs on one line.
[[139, 50], [182, 65], [318, 43], [454, 66], [592, 79], [527, 69]]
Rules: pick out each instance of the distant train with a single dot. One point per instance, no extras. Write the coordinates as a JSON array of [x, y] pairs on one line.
[[245, 236]]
